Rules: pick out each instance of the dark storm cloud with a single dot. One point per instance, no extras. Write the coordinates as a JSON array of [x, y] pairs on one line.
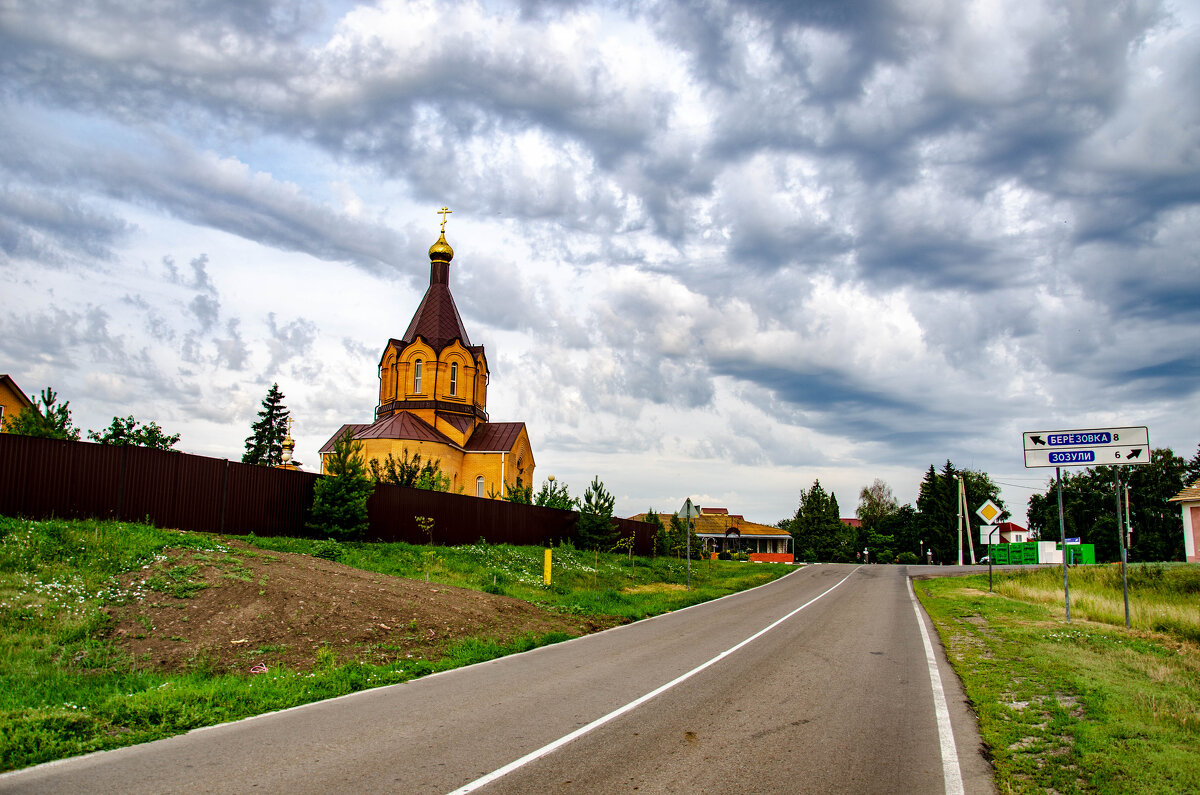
[[55, 228]]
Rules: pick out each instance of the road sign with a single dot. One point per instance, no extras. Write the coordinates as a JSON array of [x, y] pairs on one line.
[[988, 534], [989, 512], [1087, 447], [690, 510]]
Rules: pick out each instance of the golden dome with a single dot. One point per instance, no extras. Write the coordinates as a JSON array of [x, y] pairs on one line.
[[441, 251]]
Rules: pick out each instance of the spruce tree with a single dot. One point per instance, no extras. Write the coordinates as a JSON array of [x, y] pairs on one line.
[[596, 529], [264, 445], [339, 508]]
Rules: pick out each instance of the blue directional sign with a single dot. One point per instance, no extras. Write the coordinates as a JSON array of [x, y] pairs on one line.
[[1087, 447]]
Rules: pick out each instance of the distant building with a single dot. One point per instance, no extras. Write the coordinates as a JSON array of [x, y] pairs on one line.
[[1189, 506], [720, 531], [1011, 533], [12, 400], [433, 399]]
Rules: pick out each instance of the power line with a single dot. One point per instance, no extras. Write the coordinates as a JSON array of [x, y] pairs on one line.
[[1019, 486]]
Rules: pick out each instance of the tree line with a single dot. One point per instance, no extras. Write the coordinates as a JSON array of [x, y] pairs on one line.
[[889, 532]]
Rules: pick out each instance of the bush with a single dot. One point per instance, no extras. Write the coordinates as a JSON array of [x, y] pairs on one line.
[[328, 549], [907, 559], [724, 555]]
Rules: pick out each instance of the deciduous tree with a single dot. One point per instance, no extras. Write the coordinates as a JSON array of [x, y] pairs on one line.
[[127, 430], [1090, 508], [555, 494], [409, 471]]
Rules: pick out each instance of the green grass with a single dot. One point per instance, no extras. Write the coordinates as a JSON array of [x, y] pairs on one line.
[[1163, 597], [582, 582], [1079, 707], [66, 688]]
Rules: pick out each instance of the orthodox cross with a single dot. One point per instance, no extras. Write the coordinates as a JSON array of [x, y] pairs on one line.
[[443, 212]]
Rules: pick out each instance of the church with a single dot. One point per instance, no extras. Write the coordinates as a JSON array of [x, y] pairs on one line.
[[433, 398]]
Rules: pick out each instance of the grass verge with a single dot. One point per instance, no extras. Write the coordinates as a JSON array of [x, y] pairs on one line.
[[67, 688], [1079, 707], [582, 582]]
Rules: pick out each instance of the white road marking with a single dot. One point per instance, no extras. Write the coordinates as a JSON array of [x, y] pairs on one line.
[[632, 705], [951, 774]]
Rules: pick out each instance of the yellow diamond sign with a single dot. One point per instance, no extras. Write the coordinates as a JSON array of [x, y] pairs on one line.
[[989, 512]]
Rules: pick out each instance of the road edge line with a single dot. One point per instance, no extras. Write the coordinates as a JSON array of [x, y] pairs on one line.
[[951, 772]]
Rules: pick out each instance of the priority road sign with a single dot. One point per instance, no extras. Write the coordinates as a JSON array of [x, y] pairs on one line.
[[988, 512], [1087, 447]]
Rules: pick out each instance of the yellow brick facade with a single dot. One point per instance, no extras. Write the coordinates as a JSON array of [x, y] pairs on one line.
[[12, 400]]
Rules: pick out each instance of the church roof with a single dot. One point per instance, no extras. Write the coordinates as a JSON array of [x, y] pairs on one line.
[[437, 320], [401, 425], [495, 436], [489, 437]]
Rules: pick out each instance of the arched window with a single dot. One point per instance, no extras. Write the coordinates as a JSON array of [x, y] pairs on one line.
[[454, 378], [479, 486], [417, 376]]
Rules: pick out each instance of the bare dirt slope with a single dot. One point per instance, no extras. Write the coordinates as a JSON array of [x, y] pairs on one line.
[[232, 611]]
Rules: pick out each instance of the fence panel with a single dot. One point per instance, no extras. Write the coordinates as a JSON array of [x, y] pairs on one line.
[[266, 501], [42, 478]]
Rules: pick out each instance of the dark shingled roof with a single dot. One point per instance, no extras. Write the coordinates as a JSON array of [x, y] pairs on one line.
[[494, 436], [437, 320], [489, 437], [400, 425]]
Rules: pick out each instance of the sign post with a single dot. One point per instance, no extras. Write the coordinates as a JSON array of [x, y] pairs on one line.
[[690, 512], [1086, 447]]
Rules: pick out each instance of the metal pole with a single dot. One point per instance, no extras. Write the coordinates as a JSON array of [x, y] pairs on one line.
[[991, 533], [1121, 542], [1062, 539], [689, 548]]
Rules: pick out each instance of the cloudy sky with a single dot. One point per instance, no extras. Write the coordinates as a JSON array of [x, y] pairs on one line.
[[713, 249]]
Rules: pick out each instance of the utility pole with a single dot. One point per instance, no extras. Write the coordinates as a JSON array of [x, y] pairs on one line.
[[960, 520]]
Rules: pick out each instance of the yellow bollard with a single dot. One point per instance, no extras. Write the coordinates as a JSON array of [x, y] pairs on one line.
[[546, 575]]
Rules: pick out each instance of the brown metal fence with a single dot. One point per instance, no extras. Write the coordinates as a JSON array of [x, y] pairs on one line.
[[43, 478]]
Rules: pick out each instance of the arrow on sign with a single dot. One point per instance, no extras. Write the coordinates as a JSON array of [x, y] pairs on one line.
[[1037, 440], [1134, 454]]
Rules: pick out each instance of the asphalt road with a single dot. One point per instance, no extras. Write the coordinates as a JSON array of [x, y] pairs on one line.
[[819, 682]]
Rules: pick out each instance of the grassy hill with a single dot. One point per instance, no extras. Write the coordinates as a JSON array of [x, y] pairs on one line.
[[115, 633]]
